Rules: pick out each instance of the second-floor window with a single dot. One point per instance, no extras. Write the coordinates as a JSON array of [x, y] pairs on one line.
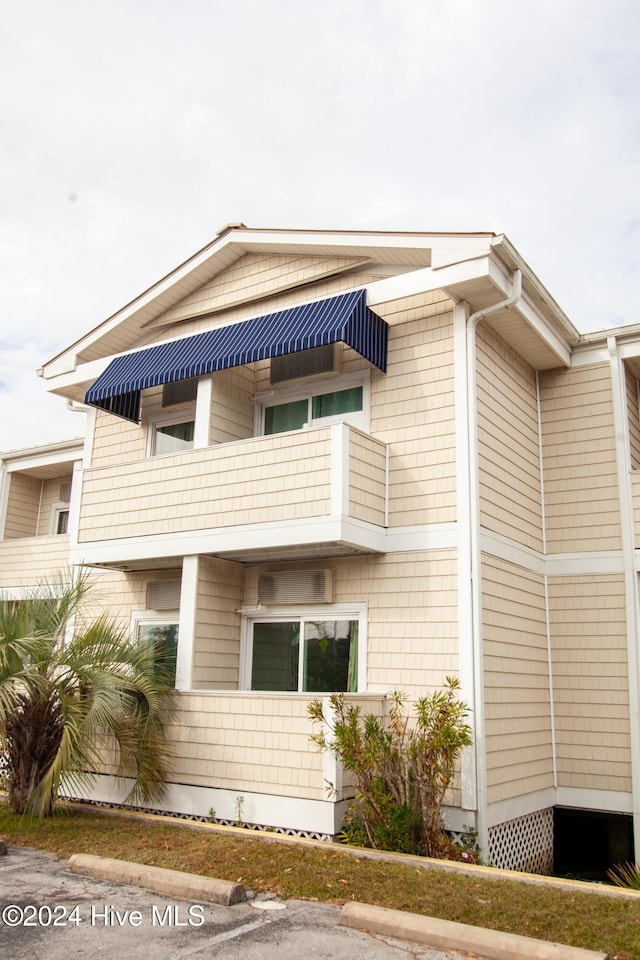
[[315, 407], [172, 437], [62, 521]]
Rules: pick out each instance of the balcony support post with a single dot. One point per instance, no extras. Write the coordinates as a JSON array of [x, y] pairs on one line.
[[340, 470]]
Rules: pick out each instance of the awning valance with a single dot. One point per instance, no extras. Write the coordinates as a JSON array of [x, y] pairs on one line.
[[345, 318]]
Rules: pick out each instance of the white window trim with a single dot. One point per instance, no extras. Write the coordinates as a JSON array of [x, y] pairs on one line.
[[186, 415], [277, 613], [143, 618], [314, 388], [56, 510]]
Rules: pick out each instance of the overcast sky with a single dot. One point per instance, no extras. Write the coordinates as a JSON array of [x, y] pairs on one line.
[[132, 130]]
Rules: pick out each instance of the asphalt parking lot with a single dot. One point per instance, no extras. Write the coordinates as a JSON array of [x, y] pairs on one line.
[[46, 911]]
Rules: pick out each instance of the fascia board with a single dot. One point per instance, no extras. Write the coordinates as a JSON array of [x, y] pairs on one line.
[[66, 383], [528, 312], [587, 357], [425, 280], [453, 278], [501, 245], [62, 453], [220, 541], [372, 240]]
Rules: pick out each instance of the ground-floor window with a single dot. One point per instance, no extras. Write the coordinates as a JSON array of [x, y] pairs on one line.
[[163, 637], [305, 654]]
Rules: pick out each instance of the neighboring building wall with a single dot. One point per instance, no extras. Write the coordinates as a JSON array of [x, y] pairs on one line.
[[508, 440], [591, 697], [50, 497], [516, 671], [633, 415], [23, 506], [580, 481], [27, 562]]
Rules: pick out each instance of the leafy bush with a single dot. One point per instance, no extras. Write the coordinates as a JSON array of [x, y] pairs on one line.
[[402, 767]]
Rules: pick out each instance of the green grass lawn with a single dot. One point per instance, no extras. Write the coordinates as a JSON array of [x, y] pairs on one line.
[[584, 919]]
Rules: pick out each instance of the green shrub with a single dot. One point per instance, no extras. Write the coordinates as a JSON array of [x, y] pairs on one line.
[[402, 767]]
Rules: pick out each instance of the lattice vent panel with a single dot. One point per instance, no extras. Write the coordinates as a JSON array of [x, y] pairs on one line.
[[524, 844]]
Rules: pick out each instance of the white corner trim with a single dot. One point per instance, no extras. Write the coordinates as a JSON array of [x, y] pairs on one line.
[[618, 389], [187, 631]]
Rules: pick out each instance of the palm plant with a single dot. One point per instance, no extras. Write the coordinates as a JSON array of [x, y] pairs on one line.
[[72, 693]]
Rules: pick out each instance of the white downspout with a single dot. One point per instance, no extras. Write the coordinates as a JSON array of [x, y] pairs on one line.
[[475, 558], [630, 577]]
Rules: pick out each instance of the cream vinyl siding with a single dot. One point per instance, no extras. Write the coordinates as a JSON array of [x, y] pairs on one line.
[[116, 441], [580, 481], [588, 629], [232, 405], [411, 614], [216, 656], [235, 309], [250, 742], [284, 477], [412, 617], [247, 743], [30, 505], [517, 700], [118, 594], [26, 562], [51, 496], [509, 461], [254, 277], [412, 409], [635, 494], [367, 478], [23, 506]]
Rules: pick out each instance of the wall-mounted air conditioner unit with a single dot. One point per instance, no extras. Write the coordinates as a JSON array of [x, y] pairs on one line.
[[296, 586], [306, 363], [163, 595]]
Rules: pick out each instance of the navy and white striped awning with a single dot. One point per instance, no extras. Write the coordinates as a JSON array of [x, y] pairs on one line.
[[345, 318]]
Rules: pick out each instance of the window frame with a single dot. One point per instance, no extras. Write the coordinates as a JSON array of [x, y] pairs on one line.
[[56, 512], [151, 618], [187, 415], [314, 388], [278, 613]]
